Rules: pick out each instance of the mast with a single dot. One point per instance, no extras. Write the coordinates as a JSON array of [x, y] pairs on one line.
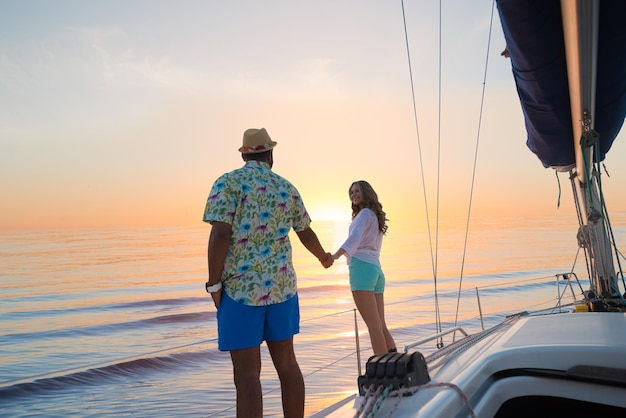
[[580, 27]]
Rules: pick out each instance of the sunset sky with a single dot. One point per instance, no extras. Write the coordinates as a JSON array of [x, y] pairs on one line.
[[123, 112]]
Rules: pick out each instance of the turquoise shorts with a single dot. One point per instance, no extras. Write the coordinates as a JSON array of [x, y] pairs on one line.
[[366, 276], [242, 326]]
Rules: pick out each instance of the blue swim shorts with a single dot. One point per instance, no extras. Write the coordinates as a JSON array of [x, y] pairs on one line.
[[366, 276], [242, 326]]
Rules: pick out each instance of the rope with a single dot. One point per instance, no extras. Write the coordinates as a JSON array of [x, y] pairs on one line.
[[579, 211], [369, 394], [373, 400], [379, 401], [558, 182], [596, 168], [611, 234], [414, 390], [586, 169]]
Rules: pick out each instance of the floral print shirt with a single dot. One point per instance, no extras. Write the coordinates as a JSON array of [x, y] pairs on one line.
[[262, 207]]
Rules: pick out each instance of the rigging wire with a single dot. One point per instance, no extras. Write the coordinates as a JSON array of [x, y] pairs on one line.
[[593, 171], [440, 342], [419, 147], [580, 236], [620, 271], [469, 209], [608, 227]]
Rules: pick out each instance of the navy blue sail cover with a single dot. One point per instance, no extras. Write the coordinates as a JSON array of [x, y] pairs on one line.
[[534, 38]]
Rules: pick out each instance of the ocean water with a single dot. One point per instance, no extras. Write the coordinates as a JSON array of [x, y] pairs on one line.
[[115, 321]]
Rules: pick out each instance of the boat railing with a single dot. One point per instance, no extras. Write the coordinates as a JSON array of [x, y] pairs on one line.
[[560, 290], [568, 278], [435, 337]]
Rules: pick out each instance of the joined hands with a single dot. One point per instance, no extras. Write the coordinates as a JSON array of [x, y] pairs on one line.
[[327, 261]]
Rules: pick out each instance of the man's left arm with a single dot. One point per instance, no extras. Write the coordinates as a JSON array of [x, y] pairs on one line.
[[311, 242]]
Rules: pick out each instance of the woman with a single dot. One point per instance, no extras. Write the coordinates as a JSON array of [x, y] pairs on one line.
[[362, 249]]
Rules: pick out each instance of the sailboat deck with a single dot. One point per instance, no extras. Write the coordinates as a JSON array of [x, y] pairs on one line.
[[566, 359]]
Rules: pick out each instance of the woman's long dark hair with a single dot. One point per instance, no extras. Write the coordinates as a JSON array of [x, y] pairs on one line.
[[369, 199]]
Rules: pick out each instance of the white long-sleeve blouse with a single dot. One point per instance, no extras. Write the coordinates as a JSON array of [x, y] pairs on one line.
[[364, 238]]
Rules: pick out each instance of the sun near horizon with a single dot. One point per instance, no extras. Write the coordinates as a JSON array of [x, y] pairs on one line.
[[114, 118]]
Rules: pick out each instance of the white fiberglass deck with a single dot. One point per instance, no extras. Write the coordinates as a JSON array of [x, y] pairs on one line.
[[535, 360]]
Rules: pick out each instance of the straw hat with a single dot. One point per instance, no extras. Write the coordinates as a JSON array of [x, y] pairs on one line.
[[255, 141]]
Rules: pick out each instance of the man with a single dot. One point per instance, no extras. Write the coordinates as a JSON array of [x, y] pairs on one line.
[[251, 276]]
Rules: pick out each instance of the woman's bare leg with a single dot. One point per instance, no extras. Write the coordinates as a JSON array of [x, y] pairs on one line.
[[367, 305], [380, 303]]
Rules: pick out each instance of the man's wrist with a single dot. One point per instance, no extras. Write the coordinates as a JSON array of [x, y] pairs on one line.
[[213, 288]]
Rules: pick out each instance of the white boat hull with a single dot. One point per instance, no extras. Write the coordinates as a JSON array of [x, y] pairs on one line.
[[556, 359]]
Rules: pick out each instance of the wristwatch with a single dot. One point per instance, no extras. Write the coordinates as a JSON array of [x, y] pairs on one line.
[[212, 288]]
